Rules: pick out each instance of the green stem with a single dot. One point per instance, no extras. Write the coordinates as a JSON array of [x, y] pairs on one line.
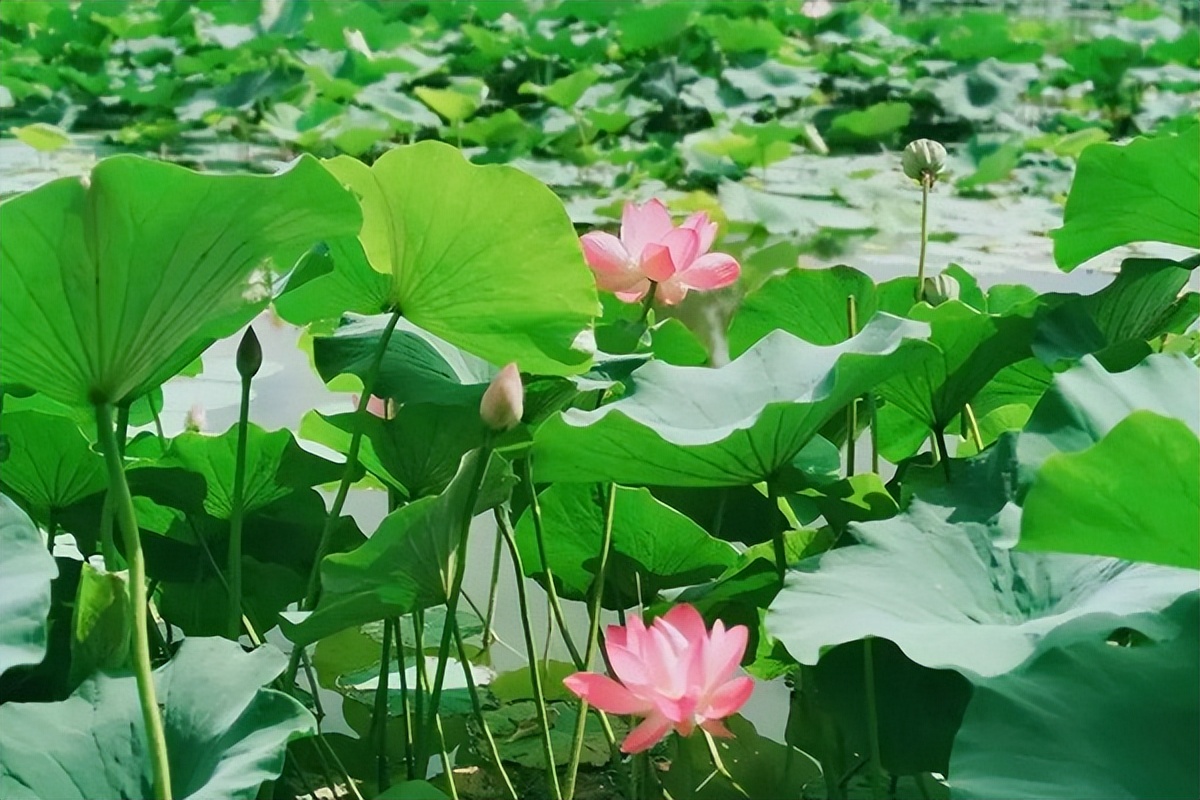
[[719, 765], [594, 605], [447, 771], [943, 453], [123, 505], [405, 708], [925, 184], [477, 707], [493, 592], [379, 717], [852, 409], [458, 570], [877, 773], [873, 417], [535, 677], [419, 696], [539, 530], [339, 500], [974, 427], [236, 515], [648, 303]]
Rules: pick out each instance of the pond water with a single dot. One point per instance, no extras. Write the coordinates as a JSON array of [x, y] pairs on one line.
[[998, 239]]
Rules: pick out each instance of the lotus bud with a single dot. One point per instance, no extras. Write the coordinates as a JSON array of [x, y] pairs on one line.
[[504, 401], [923, 160], [939, 289], [195, 420], [249, 355]]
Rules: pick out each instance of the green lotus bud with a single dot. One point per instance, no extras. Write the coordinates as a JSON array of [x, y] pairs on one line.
[[249, 355], [923, 160], [504, 401], [939, 289]]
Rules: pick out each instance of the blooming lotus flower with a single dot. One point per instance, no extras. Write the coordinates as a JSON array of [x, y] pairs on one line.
[[676, 674], [503, 402], [651, 248]]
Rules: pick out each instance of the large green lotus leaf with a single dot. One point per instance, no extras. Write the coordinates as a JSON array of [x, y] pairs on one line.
[[226, 734], [946, 596], [485, 257], [736, 425], [1088, 720], [405, 565], [654, 547], [331, 280], [115, 283], [974, 348], [1144, 191], [51, 463], [1133, 495], [416, 452], [25, 574], [276, 466], [417, 366], [1142, 303]]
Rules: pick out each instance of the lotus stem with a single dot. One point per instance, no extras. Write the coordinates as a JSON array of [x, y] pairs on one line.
[[973, 424], [422, 684], [539, 530], [595, 603], [493, 592], [122, 502], [437, 722], [535, 677], [237, 515], [852, 410], [379, 721], [477, 707], [339, 500], [926, 183], [719, 765], [459, 570], [876, 761], [405, 708], [648, 303], [873, 416], [943, 452]]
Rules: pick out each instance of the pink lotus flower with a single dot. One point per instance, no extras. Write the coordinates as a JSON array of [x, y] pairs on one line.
[[675, 673], [650, 248]]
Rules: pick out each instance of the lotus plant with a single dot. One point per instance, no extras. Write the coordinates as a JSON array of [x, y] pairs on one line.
[[652, 253], [677, 674]]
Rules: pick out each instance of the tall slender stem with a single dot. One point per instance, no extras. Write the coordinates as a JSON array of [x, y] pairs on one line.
[[539, 530], [379, 717], [535, 677], [873, 417], [973, 425], [493, 592], [852, 410], [943, 453], [477, 707], [458, 570], [236, 515], [339, 500], [877, 773], [405, 708], [719, 765], [422, 684], [926, 183], [127, 518], [648, 302], [594, 605], [437, 724]]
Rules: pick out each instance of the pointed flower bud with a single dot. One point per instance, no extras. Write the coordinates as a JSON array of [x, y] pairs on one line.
[[504, 401], [249, 355], [923, 160]]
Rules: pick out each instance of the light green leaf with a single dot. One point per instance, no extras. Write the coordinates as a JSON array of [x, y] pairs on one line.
[[225, 733], [117, 283], [1088, 720], [511, 286], [25, 574], [875, 122], [100, 625], [1144, 191], [1132, 495], [42, 136], [946, 596], [51, 463], [739, 424]]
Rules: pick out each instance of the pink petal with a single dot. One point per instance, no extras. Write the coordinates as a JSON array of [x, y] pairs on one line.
[[656, 263], [614, 635], [729, 698], [609, 261], [629, 667], [717, 728], [605, 694], [684, 244], [641, 225], [712, 271], [634, 294], [652, 731], [724, 652], [687, 620], [671, 292], [704, 228]]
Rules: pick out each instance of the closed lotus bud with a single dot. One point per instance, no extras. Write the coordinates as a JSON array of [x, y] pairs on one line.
[[249, 355], [923, 160], [939, 289], [196, 419], [504, 401]]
